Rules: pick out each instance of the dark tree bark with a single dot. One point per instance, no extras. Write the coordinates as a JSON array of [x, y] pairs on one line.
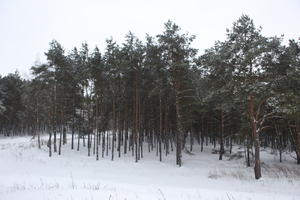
[[222, 135], [49, 144], [160, 128], [97, 130], [297, 131], [114, 129], [255, 133]]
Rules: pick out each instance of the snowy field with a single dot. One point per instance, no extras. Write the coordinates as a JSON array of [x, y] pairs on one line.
[[27, 173]]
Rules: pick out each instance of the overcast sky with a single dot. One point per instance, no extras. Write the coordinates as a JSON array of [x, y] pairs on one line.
[[27, 26]]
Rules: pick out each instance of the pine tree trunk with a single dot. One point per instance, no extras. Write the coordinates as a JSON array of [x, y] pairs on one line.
[[54, 141], [222, 136], [248, 151], [60, 141], [202, 134], [136, 117], [97, 131], [39, 140], [114, 130], [37, 124], [89, 128], [89, 142], [119, 132], [179, 133], [177, 81], [83, 139], [126, 131], [64, 135], [97, 145], [230, 144], [257, 167], [141, 132], [49, 144], [73, 123], [297, 129], [61, 132], [103, 144], [94, 139], [160, 127], [107, 142], [54, 121], [73, 131]]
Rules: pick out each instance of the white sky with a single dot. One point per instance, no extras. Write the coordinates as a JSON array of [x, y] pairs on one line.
[[27, 26]]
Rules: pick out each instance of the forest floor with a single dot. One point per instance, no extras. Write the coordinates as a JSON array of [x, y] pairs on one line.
[[28, 173]]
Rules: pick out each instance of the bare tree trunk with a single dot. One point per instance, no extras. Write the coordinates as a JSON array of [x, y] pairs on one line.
[[60, 140], [37, 124], [97, 131], [230, 144], [64, 134], [61, 133], [49, 144], [179, 133], [114, 129], [166, 128], [119, 130], [78, 139], [126, 130], [160, 127], [54, 120], [107, 142], [141, 133], [73, 131], [89, 141], [248, 150], [178, 85], [202, 133], [73, 124], [257, 167], [297, 129], [136, 118], [54, 140], [222, 136], [103, 144], [89, 127]]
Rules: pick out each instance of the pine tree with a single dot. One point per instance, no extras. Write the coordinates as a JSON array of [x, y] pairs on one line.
[[248, 51], [177, 54]]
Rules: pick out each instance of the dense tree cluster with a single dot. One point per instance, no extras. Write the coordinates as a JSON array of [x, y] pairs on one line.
[[161, 95]]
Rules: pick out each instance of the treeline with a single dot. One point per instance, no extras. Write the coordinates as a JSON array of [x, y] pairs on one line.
[[244, 90]]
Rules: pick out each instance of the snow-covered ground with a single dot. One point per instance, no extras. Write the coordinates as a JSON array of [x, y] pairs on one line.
[[27, 173]]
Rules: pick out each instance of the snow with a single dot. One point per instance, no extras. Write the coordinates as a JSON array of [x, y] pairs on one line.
[[27, 173]]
